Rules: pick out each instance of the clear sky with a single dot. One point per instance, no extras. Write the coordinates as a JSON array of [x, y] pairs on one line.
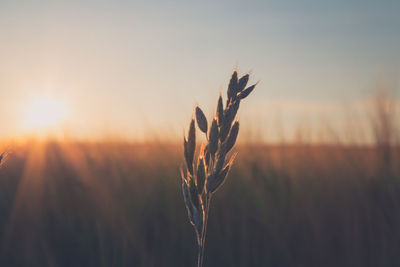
[[137, 68]]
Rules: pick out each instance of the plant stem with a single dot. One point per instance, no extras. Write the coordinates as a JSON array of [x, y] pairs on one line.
[[199, 263], [202, 244]]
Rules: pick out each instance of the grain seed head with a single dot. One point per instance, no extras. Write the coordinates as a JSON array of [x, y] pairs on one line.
[[213, 162]]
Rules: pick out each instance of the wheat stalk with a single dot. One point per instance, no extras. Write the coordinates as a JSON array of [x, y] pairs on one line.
[[203, 177]]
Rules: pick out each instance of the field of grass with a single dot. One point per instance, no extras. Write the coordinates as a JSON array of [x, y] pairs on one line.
[[120, 204]]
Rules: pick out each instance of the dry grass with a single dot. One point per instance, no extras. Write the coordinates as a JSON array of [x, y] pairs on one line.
[[120, 204]]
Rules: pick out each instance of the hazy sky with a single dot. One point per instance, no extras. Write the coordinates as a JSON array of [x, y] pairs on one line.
[[129, 68]]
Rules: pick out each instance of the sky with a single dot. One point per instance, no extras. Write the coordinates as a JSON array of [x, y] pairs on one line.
[[136, 69]]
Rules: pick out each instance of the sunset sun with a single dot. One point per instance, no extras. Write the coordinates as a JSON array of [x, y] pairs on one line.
[[44, 113]]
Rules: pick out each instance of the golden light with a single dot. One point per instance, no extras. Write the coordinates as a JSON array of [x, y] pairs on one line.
[[44, 113]]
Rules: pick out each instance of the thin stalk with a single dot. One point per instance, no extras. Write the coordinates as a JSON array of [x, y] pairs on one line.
[[199, 263], [203, 235]]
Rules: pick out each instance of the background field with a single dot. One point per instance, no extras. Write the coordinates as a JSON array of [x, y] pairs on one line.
[[120, 204]]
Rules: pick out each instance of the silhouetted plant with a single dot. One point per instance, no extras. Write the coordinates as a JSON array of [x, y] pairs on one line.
[[208, 173]]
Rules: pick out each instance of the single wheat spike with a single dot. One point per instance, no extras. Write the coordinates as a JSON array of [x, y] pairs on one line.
[[201, 180]]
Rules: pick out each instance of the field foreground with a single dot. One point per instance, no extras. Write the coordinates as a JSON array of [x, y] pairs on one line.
[[120, 204]]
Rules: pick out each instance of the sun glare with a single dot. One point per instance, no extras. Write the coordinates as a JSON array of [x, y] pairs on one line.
[[44, 113]]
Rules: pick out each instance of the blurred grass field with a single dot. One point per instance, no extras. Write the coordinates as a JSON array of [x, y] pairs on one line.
[[120, 204]]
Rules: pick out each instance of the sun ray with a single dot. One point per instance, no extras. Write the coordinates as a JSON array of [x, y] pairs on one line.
[[25, 219]]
